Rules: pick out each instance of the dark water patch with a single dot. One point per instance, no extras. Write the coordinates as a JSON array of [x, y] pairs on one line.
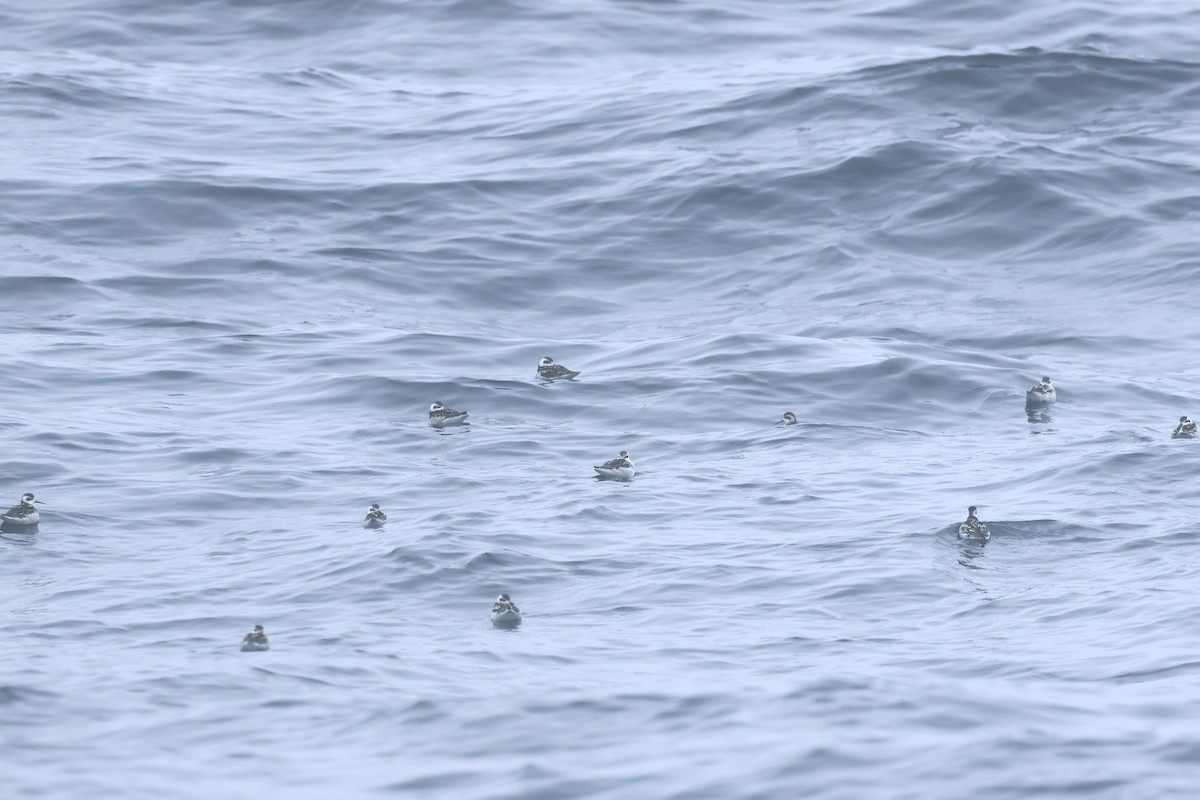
[[43, 92], [236, 272], [364, 254], [305, 78], [1033, 88], [48, 290], [165, 322], [951, 226], [19, 535], [17, 694], [444, 781], [1021, 344]]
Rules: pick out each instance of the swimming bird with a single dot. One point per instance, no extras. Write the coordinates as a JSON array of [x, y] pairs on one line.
[[549, 371], [505, 613], [440, 416], [788, 419], [255, 641], [23, 513], [375, 517], [973, 528], [620, 467], [1186, 429], [1041, 394]]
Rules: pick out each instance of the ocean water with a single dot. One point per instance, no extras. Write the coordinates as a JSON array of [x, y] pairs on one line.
[[245, 244]]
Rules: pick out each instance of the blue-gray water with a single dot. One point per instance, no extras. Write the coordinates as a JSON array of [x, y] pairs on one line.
[[244, 245]]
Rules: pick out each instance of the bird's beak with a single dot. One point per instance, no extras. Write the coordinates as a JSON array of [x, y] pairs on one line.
[[39, 502]]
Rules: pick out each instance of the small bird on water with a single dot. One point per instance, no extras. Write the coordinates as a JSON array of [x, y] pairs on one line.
[[440, 416], [23, 513], [549, 371], [620, 467], [255, 641], [1042, 394], [973, 528], [505, 613], [375, 517]]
